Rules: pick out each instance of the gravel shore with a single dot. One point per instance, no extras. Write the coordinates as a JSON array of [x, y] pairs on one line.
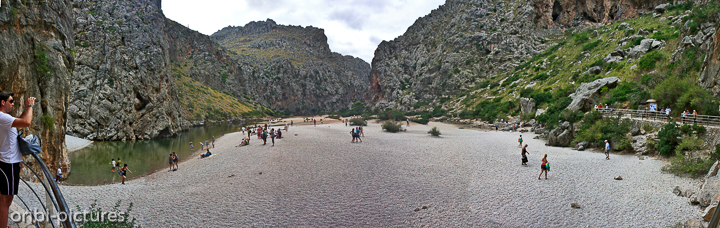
[[74, 143], [463, 178]]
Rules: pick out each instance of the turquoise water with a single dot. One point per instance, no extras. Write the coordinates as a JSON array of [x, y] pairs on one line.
[[91, 165]]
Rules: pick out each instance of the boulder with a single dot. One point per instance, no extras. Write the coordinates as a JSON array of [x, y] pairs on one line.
[[643, 32], [694, 223], [688, 41], [635, 131], [638, 144], [661, 8], [713, 170], [561, 136], [618, 177], [584, 95], [574, 205], [657, 44], [707, 214], [595, 33], [527, 105], [624, 25], [708, 191], [641, 49], [594, 70], [581, 146]]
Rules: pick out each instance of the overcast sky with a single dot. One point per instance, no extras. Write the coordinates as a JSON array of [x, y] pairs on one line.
[[353, 27]]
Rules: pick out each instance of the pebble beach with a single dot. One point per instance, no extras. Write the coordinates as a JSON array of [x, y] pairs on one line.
[[315, 177]]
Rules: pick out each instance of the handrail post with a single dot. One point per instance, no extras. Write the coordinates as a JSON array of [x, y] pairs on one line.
[[62, 206]]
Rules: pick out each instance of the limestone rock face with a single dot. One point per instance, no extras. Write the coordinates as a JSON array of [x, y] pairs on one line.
[[561, 136], [122, 88], [527, 105], [36, 40], [568, 13], [584, 95], [291, 68], [710, 76], [436, 57]]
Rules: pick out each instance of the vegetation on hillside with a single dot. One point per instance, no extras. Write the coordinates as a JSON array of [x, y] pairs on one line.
[[206, 103], [559, 70]]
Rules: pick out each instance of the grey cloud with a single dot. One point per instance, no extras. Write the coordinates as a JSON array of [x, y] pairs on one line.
[[265, 5], [375, 40], [350, 17]]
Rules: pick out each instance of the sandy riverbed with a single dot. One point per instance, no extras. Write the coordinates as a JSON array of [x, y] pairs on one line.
[[465, 178]]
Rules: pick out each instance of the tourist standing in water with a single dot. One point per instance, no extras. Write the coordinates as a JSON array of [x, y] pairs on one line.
[[113, 165], [191, 145], [123, 173], [524, 157], [544, 167]]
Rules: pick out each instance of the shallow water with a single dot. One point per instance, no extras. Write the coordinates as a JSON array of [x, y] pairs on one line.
[[91, 165]]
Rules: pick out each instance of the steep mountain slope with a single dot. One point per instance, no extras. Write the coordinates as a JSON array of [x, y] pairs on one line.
[[36, 43], [122, 88], [291, 68], [453, 49], [570, 13]]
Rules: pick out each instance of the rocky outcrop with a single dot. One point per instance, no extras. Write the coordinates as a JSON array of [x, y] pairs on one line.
[[571, 13], [36, 42], [710, 76], [527, 105], [291, 68], [588, 92], [122, 88], [451, 50], [561, 136]]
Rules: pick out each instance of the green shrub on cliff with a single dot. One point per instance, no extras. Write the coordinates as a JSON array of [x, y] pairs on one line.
[[41, 62], [48, 121]]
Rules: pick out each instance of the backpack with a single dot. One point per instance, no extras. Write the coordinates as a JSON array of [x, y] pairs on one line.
[[28, 147]]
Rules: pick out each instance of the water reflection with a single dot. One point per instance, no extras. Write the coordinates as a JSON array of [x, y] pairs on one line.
[[91, 165]]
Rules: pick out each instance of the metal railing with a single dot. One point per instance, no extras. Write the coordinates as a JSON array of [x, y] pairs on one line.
[[645, 115], [61, 216]]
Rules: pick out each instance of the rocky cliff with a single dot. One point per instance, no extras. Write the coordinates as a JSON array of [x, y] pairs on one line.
[[36, 43], [122, 87], [291, 68], [451, 50], [571, 13]]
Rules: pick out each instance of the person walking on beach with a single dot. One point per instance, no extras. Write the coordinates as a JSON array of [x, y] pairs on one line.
[[524, 157], [520, 141], [10, 157], [357, 134], [408, 122], [213, 141], [123, 173], [170, 160], [113, 165], [352, 133], [207, 143], [361, 132], [264, 136], [272, 136], [544, 167], [607, 150]]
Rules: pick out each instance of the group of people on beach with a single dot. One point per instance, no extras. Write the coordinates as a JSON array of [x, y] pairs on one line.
[[545, 166], [207, 144], [356, 133], [123, 169], [173, 159]]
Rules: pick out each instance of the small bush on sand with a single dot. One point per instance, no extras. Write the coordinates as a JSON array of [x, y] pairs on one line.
[[357, 122], [434, 132], [390, 126]]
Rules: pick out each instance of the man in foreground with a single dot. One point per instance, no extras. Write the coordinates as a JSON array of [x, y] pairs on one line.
[[10, 157]]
